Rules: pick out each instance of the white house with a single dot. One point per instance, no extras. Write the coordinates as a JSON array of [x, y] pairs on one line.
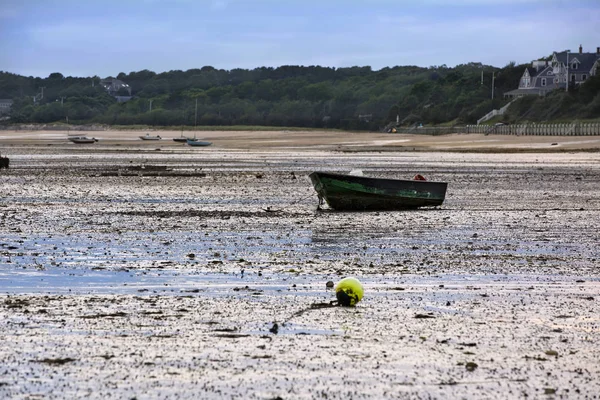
[[5, 106], [545, 76], [113, 86]]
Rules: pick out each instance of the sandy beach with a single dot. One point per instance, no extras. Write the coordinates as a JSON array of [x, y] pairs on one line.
[[325, 140], [151, 269]]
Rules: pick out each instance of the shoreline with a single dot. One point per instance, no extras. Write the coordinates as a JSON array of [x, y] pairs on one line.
[[350, 142]]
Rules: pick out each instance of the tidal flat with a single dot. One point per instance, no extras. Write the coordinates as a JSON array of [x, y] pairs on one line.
[[131, 272]]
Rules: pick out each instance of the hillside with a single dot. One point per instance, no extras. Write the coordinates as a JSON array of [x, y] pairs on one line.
[[579, 103], [311, 96]]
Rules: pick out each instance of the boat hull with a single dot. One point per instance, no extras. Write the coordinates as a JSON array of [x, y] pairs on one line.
[[82, 140], [199, 143], [148, 137], [359, 193]]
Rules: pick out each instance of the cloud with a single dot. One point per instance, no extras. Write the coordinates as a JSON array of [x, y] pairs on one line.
[[379, 33], [8, 13], [219, 4], [111, 34], [485, 2]]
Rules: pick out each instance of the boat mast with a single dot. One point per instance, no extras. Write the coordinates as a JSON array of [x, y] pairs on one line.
[[196, 114]]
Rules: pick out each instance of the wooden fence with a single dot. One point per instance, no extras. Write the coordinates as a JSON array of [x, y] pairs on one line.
[[573, 129]]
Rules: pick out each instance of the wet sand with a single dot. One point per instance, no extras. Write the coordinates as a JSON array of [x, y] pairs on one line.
[[315, 139], [155, 270]]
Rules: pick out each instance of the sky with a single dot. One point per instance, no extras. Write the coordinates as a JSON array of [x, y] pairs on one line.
[[84, 38]]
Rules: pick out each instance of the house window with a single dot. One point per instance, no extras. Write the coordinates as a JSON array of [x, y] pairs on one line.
[[583, 77], [574, 66], [549, 72], [572, 77], [543, 81]]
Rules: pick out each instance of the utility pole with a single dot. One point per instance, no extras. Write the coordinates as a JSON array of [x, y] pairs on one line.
[[150, 107], [567, 72], [196, 114], [482, 76], [493, 85]]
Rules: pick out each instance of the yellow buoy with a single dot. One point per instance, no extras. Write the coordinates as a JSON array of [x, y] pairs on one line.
[[349, 291]]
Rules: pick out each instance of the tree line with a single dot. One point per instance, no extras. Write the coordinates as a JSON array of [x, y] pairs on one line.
[[295, 96]]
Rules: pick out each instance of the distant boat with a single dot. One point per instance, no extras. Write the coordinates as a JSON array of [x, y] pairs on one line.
[[360, 193], [182, 139], [197, 142], [82, 139], [150, 137], [4, 162]]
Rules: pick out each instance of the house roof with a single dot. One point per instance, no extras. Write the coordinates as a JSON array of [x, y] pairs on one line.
[[541, 73], [586, 60], [113, 82]]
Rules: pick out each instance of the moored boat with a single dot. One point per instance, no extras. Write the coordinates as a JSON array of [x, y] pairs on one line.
[[198, 142], [150, 137], [360, 193], [4, 162], [182, 139], [82, 139]]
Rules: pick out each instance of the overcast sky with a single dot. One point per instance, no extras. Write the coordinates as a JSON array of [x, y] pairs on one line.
[[90, 37]]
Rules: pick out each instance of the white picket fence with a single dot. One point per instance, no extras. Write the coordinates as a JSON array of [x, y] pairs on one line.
[[573, 129]]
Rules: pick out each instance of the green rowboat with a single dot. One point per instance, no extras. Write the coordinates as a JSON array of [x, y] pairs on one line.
[[360, 193]]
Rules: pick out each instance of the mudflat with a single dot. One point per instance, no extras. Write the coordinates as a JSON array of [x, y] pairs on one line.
[[131, 269], [316, 139]]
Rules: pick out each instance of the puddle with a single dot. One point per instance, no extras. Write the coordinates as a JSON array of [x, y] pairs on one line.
[[55, 280], [291, 328]]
